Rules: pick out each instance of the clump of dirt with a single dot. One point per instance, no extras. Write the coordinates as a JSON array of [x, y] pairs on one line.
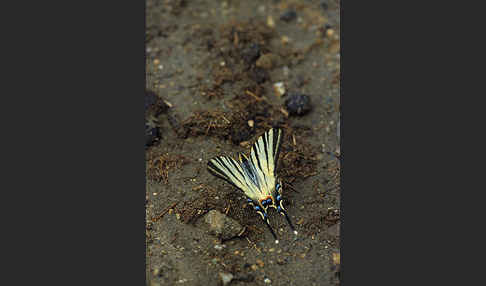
[[239, 47], [249, 114], [227, 202], [158, 166], [190, 211], [154, 104], [298, 157]]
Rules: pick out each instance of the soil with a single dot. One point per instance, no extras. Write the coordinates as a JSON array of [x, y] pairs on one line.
[[212, 66]]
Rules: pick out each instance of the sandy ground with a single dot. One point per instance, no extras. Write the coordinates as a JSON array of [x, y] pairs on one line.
[[215, 63]]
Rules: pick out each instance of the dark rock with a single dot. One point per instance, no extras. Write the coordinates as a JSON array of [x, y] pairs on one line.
[[154, 105], [288, 16], [245, 278], [152, 135], [251, 53], [324, 5], [150, 99], [259, 75], [298, 104]]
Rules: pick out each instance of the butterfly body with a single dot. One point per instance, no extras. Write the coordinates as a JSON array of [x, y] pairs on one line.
[[256, 175]]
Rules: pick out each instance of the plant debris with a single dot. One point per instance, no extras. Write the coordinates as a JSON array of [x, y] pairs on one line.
[[159, 166]]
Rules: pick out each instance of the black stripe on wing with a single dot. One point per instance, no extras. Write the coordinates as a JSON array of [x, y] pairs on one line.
[[277, 139], [249, 169]]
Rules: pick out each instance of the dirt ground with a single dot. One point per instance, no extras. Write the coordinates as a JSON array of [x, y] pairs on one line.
[[211, 68]]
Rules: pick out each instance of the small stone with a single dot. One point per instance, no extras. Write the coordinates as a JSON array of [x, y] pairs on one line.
[[329, 32], [178, 216], [259, 75], [237, 252], [336, 258], [156, 61], [221, 225], [298, 104], [156, 272], [267, 281], [271, 250], [270, 22], [260, 262], [226, 277], [285, 40], [254, 267], [251, 123], [288, 16], [266, 61], [286, 71], [324, 5], [152, 135], [279, 88], [219, 247], [251, 53]]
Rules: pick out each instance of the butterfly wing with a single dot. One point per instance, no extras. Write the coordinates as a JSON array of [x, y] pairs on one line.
[[240, 175], [264, 156]]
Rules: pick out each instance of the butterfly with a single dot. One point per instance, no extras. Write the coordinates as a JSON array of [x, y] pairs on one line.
[[256, 175]]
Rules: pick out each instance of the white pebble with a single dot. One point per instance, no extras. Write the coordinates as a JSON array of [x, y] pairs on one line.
[[279, 88]]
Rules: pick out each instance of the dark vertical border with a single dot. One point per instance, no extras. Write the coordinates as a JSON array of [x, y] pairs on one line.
[[401, 193], [73, 198], [342, 277]]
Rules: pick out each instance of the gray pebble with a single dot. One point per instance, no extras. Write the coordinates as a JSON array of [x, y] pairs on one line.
[[226, 277], [221, 225], [288, 16]]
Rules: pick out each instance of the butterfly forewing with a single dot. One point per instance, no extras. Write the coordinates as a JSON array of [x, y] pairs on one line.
[[236, 173]]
